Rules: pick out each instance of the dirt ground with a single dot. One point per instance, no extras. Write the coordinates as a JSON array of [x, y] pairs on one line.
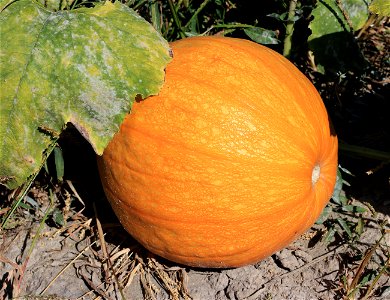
[[70, 263]]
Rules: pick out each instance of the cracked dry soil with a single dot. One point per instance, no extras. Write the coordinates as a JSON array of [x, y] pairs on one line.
[[72, 265]]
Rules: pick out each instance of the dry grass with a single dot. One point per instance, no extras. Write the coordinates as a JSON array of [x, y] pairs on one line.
[[107, 270]]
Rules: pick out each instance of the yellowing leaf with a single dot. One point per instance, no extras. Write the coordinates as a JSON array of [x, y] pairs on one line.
[[82, 66], [380, 7]]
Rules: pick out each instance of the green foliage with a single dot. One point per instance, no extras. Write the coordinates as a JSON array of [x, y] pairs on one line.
[[329, 17], [59, 163], [340, 205], [365, 278], [261, 35], [338, 188], [380, 7], [83, 66], [179, 19], [58, 217], [332, 40]]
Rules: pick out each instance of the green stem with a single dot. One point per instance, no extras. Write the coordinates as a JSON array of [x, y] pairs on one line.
[[27, 185], [382, 271], [41, 224], [289, 28], [176, 19], [235, 25], [139, 4], [204, 3], [155, 15], [364, 152], [15, 204], [228, 26], [345, 15]]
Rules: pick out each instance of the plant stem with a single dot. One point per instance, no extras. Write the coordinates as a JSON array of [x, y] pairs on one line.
[[289, 28], [364, 152], [376, 279], [345, 15], [27, 185], [204, 3], [41, 224], [16, 203], [366, 25], [233, 25], [176, 19], [155, 15]]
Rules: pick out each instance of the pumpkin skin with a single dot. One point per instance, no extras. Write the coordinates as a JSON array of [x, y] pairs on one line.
[[232, 161]]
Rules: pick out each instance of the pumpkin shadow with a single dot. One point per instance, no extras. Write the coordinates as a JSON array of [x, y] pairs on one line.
[[362, 128], [81, 169], [337, 53], [355, 89]]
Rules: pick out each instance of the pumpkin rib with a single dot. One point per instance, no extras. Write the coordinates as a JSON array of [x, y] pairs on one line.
[[202, 84], [218, 257], [208, 152], [242, 219], [305, 182], [281, 130], [184, 144], [215, 256], [217, 170], [131, 169], [294, 70], [255, 242]]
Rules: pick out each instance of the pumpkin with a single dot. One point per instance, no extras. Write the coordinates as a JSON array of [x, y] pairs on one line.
[[232, 161]]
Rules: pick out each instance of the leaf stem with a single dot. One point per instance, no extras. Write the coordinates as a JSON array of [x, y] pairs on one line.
[[139, 4], [29, 182], [176, 19], [41, 224], [155, 15], [345, 15], [366, 25], [364, 152], [376, 279], [204, 3], [289, 28], [16, 203], [233, 25]]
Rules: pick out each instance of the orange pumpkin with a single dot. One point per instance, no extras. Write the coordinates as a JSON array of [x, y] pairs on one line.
[[232, 161]]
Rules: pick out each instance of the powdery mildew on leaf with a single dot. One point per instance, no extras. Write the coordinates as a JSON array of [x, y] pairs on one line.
[[331, 40], [84, 66], [329, 19]]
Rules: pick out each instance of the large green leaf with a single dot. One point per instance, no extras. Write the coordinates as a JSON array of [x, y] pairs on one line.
[[332, 40], [83, 66], [328, 17]]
